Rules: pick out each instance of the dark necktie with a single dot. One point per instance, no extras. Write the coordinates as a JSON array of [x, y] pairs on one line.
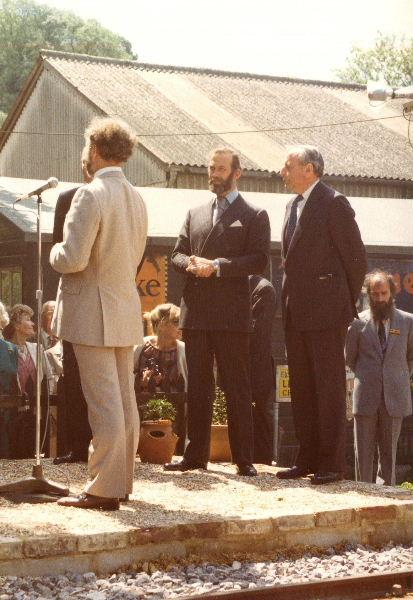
[[292, 222], [222, 204], [382, 337]]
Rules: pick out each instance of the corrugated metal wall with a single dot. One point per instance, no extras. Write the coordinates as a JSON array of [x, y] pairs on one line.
[[274, 184], [53, 108]]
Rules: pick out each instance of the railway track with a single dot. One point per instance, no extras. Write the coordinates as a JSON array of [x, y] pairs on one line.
[[367, 587]]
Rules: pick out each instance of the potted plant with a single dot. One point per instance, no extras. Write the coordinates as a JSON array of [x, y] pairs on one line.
[[157, 440], [220, 450]]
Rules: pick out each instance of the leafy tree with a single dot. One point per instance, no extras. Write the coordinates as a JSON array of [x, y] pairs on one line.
[[390, 57], [26, 27]]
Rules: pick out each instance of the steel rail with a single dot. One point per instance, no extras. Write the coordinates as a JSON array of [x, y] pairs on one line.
[[364, 587]]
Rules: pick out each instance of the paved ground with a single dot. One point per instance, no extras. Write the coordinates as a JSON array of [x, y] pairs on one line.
[[165, 499]]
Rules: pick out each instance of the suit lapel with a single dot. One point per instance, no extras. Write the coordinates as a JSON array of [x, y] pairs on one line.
[[233, 212], [394, 324], [205, 226], [372, 331], [307, 212]]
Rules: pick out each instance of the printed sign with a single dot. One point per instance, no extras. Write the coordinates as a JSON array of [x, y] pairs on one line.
[[151, 281], [283, 384]]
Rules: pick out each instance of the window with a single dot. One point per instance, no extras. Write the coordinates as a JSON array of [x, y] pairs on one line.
[[11, 285]]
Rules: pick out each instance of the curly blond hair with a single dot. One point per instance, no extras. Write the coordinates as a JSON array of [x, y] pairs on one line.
[[112, 138]]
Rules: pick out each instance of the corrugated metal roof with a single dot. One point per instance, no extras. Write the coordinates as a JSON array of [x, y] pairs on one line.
[[160, 100], [167, 208]]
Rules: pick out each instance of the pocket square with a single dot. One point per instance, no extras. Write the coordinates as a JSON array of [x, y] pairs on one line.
[[236, 224]]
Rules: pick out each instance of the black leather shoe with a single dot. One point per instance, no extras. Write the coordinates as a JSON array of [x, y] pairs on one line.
[[66, 458], [183, 465], [326, 477], [247, 470], [125, 499], [293, 473]]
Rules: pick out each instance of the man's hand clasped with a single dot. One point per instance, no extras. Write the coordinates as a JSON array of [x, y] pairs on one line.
[[200, 267]]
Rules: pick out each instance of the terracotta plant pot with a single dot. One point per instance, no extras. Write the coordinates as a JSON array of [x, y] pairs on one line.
[[220, 450], [157, 442]]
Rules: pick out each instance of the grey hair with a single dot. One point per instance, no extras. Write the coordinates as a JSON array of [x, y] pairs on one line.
[[4, 316], [308, 154]]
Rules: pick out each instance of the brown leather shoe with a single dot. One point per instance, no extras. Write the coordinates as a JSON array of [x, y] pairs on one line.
[[88, 501]]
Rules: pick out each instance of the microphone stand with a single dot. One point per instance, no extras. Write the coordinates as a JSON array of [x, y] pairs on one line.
[[37, 484]]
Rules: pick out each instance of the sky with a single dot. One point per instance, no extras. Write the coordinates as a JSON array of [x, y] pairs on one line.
[[293, 38]]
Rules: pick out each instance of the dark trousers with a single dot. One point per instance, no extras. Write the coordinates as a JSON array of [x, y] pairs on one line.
[[78, 432], [262, 390], [231, 351], [318, 395]]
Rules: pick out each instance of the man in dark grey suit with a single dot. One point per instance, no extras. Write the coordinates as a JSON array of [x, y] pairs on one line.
[[379, 349], [221, 243], [324, 267]]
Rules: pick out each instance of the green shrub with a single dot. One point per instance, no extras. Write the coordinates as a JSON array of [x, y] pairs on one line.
[[219, 412], [407, 485], [157, 409]]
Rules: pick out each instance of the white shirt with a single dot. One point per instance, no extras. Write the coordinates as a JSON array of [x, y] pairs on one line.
[[107, 170], [305, 195]]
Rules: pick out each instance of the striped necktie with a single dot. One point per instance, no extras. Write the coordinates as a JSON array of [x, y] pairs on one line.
[[292, 222], [221, 206]]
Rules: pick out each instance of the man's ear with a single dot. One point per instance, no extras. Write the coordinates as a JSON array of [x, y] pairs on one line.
[[237, 173]]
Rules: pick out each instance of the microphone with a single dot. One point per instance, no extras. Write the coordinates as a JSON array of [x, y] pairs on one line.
[[50, 183]]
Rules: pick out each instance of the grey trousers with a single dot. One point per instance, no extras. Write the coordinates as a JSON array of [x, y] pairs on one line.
[[382, 431], [108, 385]]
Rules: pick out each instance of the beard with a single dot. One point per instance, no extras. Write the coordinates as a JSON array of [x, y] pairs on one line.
[[381, 310], [221, 186]]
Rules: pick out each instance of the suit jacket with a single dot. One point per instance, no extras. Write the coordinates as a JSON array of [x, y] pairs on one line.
[[264, 304], [8, 367], [325, 265], [241, 240], [375, 374], [63, 204], [103, 241]]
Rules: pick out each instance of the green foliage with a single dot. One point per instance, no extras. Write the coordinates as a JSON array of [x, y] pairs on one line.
[[390, 57], [157, 409], [219, 413], [27, 27], [407, 485], [2, 117]]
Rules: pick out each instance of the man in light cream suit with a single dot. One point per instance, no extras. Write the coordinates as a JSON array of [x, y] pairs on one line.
[[98, 308]]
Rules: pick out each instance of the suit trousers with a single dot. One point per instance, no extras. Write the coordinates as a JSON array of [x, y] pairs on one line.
[[318, 396], [231, 351], [262, 394], [382, 431], [107, 381], [78, 432]]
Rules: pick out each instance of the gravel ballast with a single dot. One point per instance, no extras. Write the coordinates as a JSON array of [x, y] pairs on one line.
[[192, 579]]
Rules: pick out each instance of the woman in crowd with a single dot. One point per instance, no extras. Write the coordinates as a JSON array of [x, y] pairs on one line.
[[160, 364], [8, 384], [19, 331]]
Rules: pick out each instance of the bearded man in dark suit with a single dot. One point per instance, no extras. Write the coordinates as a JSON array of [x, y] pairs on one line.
[[324, 267], [221, 243]]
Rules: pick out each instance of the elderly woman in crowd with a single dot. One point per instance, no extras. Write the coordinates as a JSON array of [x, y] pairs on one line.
[[19, 331], [8, 384]]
